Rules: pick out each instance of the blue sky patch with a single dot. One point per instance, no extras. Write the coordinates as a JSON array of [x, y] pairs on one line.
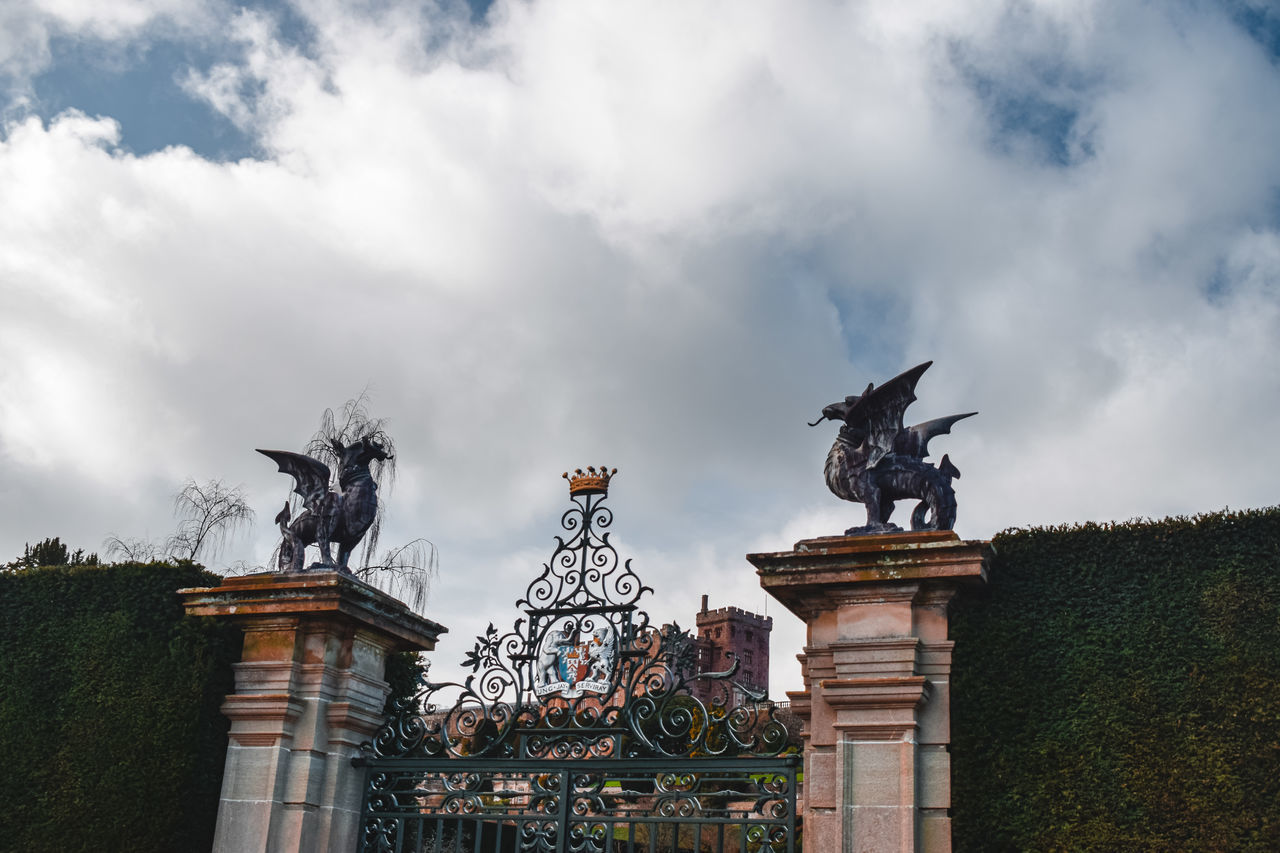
[[139, 84], [143, 94], [1033, 109], [1260, 22]]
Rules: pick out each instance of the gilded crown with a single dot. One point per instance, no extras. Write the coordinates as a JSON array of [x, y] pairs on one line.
[[590, 482]]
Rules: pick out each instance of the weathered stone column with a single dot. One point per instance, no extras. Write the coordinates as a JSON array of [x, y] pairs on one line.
[[876, 704], [309, 689]]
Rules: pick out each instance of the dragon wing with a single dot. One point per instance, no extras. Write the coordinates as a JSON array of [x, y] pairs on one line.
[[310, 476], [879, 411], [915, 440]]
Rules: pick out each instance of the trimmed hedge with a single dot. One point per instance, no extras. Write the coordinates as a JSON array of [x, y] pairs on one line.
[[110, 732], [1117, 687]]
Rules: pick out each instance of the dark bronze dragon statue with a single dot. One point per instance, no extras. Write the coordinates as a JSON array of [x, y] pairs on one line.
[[877, 461], [338, 516]]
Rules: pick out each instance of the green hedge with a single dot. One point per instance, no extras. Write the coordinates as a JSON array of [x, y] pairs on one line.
[[110, 733], [1117, 687]]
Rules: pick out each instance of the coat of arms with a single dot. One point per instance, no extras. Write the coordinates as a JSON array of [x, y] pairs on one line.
[[571, 661]]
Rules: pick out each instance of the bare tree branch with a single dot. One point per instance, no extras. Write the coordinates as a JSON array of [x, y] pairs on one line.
[[240, 568], [130, 550], [405, 573], [209, 514]]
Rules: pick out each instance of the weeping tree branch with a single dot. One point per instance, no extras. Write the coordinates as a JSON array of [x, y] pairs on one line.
[[350, 424], [131, 550], [406, 572], [209, 514]]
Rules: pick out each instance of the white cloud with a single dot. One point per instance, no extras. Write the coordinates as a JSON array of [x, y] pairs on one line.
[[659, 236]]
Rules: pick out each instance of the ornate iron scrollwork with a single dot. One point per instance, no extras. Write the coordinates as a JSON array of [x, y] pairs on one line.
[[584, 674]]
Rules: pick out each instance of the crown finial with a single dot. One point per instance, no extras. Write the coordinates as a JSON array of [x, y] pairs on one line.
[[590, 482]]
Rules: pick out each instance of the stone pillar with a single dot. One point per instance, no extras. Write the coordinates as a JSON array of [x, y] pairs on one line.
[[309, 690], [876, 705]]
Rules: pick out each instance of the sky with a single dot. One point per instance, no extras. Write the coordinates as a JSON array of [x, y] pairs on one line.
[[658, 235]]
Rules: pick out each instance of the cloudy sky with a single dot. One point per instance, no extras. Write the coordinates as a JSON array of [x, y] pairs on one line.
[[658, 235]]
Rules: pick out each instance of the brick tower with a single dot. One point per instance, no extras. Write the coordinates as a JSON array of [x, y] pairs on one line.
[[731, 632]]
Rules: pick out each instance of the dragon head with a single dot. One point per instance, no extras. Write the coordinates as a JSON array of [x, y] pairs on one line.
[[840, 411], [359, 453]]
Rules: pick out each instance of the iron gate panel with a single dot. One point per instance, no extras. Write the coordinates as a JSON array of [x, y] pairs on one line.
[[578, 731], [590, 805]]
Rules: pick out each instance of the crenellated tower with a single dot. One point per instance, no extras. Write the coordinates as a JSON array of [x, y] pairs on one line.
[[727, 634]]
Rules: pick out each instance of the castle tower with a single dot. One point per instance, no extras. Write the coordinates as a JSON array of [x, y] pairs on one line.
[[729, 633]]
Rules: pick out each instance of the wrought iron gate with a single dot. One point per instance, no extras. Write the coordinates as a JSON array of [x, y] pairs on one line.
[[584, 729]]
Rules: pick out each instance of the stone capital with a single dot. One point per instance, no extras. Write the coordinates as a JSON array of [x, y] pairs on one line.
[[281, 602], [825, 574]]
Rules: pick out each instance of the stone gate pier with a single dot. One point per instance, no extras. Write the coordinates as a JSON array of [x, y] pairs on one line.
[[876, 699], [309, 690]]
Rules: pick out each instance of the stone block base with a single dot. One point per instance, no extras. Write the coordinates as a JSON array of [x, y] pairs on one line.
[[877, 700], [309, 690]]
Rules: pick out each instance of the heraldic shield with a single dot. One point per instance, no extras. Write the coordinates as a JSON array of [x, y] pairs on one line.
[[568, 668]]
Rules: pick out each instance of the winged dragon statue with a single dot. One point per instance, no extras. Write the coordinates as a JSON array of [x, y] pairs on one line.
[[330, 516], [877, 461]]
